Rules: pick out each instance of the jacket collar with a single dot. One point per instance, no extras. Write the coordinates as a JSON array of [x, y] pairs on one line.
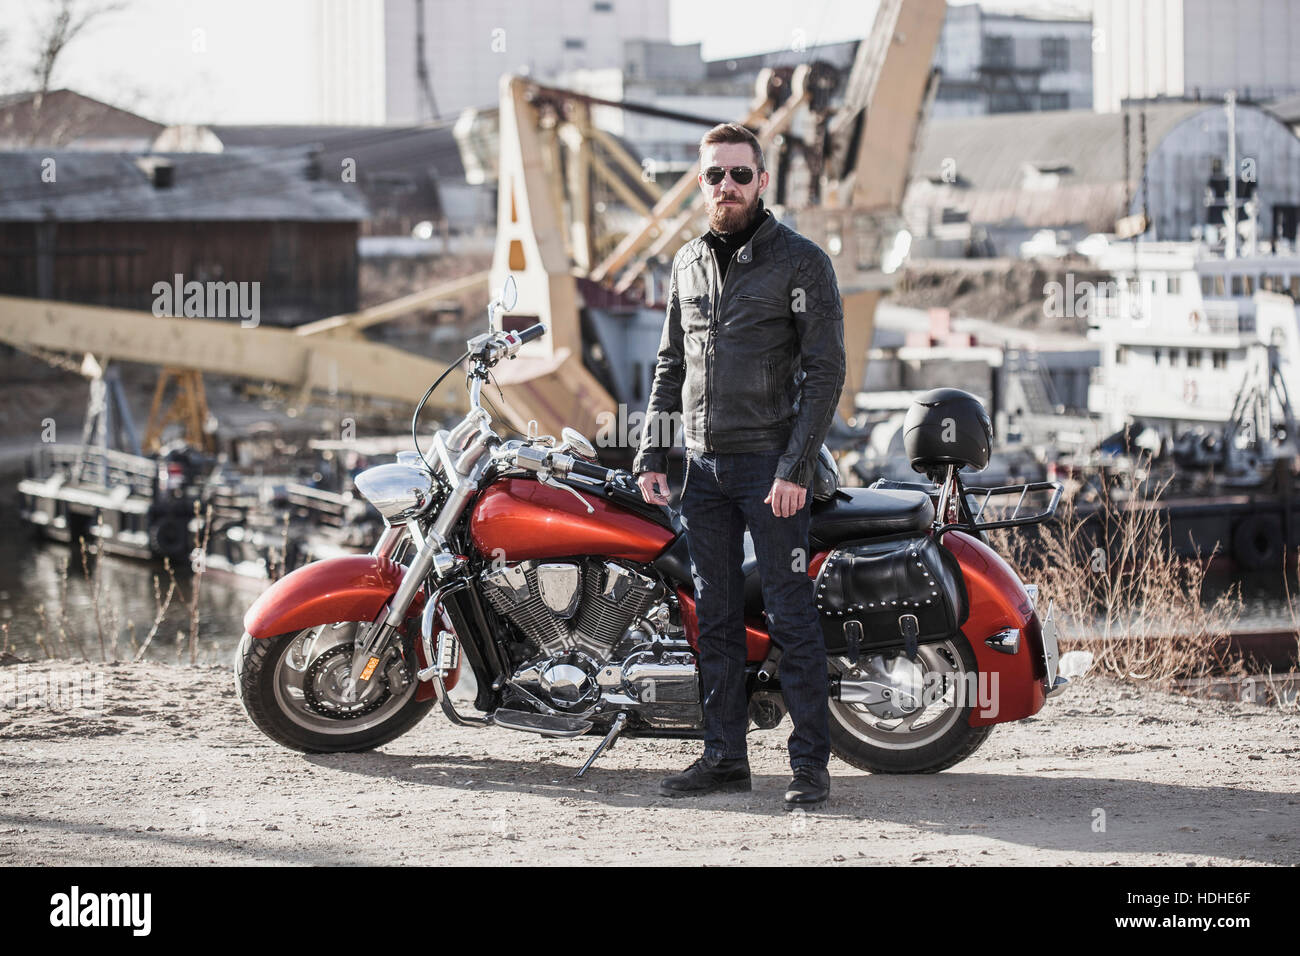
[[746, 253]]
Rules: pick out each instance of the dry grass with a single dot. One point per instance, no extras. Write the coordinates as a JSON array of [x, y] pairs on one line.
[[57, 638], [1277, 687], [1120, 591]]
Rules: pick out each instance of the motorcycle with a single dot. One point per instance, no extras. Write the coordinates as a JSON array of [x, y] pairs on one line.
[[569, 601]]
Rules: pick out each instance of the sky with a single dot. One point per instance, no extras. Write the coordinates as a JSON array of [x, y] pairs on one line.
[[233, 61], [741, 27], [736, 27], [186, 61]]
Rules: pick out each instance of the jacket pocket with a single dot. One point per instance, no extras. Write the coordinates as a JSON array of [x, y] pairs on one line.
[[767, 300], [777, 398], [695, 313]]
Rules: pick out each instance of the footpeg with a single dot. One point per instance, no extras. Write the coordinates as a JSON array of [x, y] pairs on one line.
[[548, 725], [773, 660], [619, 723]]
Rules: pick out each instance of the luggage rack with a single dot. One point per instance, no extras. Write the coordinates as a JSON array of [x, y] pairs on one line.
[[1016, 520], [972, 515]]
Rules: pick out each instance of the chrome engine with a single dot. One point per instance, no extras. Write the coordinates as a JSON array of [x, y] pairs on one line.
[[604, 640]]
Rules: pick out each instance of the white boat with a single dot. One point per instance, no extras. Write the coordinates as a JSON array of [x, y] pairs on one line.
[[1182, 329]]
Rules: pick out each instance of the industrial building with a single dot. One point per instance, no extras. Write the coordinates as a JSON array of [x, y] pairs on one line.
[[1198, 49], [477, 42], [984, 185], [103, 228], [406, 175], [994, 62]]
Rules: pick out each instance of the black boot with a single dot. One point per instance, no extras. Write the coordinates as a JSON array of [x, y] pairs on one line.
[[707, 775], [809, 787]]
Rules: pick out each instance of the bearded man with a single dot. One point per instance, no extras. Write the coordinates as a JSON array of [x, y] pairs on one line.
[[752, 357]]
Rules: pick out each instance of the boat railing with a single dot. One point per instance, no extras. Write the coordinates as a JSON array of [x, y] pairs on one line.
[[1226, 318], [238, 504], [94, 466]]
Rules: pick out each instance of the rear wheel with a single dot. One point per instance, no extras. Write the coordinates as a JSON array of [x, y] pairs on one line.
[[932, 736], [292, 689]]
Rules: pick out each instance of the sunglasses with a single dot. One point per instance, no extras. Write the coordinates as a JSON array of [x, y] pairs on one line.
[[740, 175]]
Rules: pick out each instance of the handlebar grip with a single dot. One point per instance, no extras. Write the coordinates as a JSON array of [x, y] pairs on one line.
[[532, 332], [588, 470]]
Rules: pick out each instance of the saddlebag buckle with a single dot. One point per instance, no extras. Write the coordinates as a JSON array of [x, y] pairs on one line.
[[910, 628], [853, 640]]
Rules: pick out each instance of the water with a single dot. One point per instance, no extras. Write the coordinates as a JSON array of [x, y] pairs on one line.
[[1264, 599], [33, 588]]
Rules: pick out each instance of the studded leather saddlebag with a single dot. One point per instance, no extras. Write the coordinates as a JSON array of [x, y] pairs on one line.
[[889, 592]]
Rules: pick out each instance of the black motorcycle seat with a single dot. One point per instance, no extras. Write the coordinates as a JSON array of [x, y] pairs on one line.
[[853, 513]]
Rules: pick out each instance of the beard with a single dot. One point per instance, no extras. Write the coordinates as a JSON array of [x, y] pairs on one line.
[[729, 218]]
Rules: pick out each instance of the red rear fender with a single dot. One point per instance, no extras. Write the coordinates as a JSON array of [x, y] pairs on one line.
[[1011, 686]]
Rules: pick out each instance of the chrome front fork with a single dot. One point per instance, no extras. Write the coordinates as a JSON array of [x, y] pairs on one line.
[[466, 465], [388, 543]]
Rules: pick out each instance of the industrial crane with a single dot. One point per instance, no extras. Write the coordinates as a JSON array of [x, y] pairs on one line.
[[841, 186]]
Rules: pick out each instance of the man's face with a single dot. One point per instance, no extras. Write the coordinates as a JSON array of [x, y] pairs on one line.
[[731, 205]]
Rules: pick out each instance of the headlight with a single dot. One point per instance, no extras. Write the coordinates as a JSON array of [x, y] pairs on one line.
[[399, 491]]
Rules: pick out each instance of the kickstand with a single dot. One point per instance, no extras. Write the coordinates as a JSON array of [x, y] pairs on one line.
[[619, 723]]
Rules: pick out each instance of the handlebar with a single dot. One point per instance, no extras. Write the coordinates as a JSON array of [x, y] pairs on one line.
[[532, 332], [539, 458], [587, 470], [491, 347]]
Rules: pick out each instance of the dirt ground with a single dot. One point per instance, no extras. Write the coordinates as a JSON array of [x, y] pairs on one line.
[[145, 764]]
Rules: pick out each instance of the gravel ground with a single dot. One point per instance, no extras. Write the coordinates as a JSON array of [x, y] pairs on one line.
[[161, 766]]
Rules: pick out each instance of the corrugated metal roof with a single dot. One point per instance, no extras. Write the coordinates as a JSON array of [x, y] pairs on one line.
[[990, 151], [1076, 157], [1287, 109], [249, 186], [387, 148]]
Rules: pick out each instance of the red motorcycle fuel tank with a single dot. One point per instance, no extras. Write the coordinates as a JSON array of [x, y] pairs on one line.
[[517, 519]]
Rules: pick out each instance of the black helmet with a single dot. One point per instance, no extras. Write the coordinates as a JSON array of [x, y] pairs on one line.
[[946, 426], [826, 477]]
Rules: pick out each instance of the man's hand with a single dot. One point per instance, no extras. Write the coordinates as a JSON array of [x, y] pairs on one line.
[[786, 497], [654, 487]]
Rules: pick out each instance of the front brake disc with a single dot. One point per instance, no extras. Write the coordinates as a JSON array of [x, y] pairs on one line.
[[324, 682]]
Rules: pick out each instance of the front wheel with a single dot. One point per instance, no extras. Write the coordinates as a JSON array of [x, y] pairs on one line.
[[932, 736], [291, 686]]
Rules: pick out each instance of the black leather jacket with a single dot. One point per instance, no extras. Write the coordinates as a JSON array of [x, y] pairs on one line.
[[755, 365]]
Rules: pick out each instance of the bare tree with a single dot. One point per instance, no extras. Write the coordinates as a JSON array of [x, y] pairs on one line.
[[29, 121], [63, 22]]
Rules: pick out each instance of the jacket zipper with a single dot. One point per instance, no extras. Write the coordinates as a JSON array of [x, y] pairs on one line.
[[713, 325]]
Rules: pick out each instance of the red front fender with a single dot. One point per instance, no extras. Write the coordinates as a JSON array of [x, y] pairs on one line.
[[351, 588]]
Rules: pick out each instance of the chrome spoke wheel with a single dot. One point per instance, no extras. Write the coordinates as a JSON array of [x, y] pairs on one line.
[[935, 682], [312, 673]]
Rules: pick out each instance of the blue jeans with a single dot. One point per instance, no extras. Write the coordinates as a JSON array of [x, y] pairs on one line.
[[723, 494]]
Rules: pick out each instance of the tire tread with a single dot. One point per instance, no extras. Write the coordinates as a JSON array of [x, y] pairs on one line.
[[254, 665], [952, 748]]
